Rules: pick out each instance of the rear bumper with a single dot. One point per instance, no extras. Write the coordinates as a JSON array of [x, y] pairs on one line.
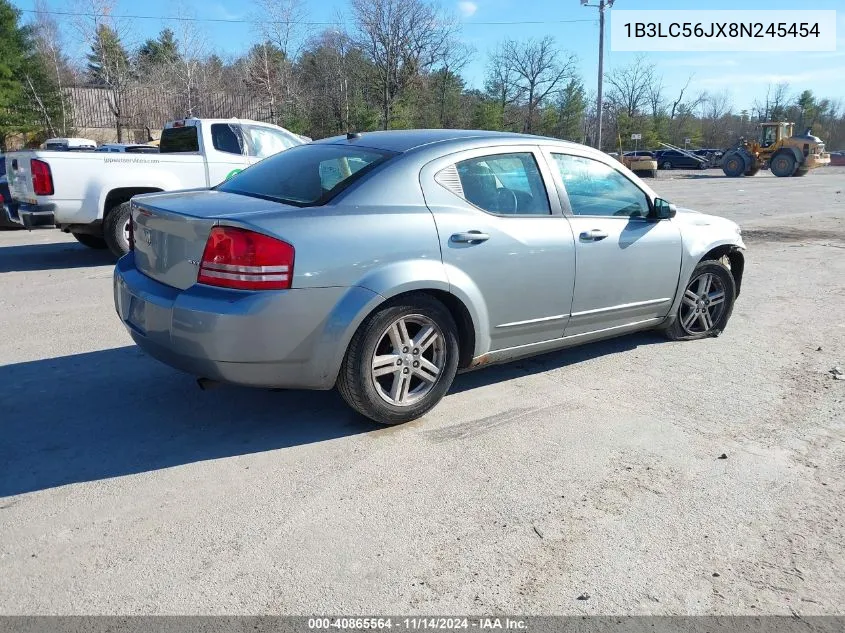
[[35, 216], [292, 339]]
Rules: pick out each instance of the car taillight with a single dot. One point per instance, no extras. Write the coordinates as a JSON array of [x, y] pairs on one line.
[[42, 178], [246, 260], [131, 226]]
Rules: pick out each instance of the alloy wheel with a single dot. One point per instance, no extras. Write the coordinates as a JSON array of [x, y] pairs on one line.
[[408, 360], [703, 304]]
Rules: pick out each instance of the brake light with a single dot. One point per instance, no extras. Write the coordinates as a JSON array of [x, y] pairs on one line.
[[131, 226], [246, 260], [42, 177]]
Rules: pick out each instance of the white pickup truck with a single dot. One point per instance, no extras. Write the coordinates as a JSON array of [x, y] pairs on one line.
[[87, 193]]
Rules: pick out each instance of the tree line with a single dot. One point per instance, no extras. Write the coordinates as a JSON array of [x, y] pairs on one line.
[[392, 64]]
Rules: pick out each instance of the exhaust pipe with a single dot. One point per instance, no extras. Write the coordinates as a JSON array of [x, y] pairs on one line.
[[207, 384]]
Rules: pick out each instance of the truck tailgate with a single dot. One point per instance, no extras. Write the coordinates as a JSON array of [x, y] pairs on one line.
[[20, 177]]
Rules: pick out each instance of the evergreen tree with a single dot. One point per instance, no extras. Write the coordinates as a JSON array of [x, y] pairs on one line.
[[29, 99], [108, 61], [162, 51]]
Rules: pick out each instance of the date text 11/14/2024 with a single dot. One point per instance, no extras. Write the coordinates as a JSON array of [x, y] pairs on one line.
[[417, 624]]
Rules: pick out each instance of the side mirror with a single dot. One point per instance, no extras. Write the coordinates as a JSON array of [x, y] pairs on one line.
[[664, 210]]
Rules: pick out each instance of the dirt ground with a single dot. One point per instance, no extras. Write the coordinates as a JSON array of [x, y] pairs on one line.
[[639, 475]]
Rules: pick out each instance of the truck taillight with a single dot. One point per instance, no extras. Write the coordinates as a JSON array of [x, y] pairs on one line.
[[42, 178], [245, 260]]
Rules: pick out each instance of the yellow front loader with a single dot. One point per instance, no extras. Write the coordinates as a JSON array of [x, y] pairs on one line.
[[779, 150]]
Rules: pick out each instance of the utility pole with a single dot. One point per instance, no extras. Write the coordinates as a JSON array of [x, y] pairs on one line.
[[602, 6]]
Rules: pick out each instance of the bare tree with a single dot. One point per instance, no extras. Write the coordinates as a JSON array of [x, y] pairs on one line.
[[283, 23], [185, 68], [501, 80], [452, 59], [716, 108], [539, 71], [109, 64], [402, 38], [630, 85], [656, 100], [48, 41]]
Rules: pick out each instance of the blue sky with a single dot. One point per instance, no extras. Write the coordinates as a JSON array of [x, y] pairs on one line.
[[745, 76]]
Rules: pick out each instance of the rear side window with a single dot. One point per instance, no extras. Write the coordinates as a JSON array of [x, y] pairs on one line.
[[179, 139], [227, 138], [506, 184], [306, 175]]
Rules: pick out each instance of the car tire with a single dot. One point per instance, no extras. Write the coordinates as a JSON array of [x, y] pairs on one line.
[[370, 386], [115, 229], [91, 241], [666, 165], [699, 315]]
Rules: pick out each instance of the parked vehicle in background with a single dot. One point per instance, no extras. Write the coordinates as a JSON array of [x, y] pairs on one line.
[[8, 207], [87, 193], [641, 162], [673, 159], [386, 262], [69, 145], [124, 148]]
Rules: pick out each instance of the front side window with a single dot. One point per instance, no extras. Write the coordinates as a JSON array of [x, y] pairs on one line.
[[264, 142], [507, 184], [596, 189], [306, 175]]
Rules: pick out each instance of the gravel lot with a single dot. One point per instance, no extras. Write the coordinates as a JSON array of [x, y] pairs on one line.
[[596, 471]]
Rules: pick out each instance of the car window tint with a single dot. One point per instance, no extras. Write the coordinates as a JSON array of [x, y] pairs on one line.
[[594, 188], [179, 139], [227, 138], [265, 142], [306, 175], [508, 184]]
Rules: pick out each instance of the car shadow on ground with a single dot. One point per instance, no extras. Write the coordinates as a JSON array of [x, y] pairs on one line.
[[31, 257], [117, 412]]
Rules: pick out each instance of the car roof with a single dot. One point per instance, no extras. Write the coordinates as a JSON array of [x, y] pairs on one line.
[[407, 140]]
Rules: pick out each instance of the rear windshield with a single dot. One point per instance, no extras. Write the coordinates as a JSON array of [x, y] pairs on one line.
[[179, 139], [307, 175]]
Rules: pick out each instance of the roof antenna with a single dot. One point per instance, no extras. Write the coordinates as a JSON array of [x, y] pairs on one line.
[[352, 135]]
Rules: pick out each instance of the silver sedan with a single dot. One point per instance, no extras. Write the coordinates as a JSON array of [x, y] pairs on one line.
[[384, 263]]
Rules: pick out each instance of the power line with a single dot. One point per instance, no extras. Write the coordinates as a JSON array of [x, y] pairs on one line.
[[262, 21]]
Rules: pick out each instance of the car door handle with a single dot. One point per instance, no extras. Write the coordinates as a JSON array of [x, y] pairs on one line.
[[470, 237], [595, 235]]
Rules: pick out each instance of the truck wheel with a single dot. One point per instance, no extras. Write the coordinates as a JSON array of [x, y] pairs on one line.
[[91, 241], [733, 165], [116, 229], [782, 164]]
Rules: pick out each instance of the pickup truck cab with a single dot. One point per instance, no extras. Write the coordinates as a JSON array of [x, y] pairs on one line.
[[87, 193]]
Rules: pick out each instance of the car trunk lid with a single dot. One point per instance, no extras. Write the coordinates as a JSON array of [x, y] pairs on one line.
[[171, 230]]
